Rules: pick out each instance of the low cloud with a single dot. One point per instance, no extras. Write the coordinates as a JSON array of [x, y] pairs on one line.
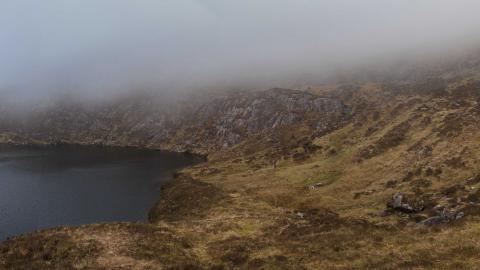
[[105, 47]]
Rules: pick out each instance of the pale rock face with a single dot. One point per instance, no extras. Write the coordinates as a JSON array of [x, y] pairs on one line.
[[197, 126], [234, 118]]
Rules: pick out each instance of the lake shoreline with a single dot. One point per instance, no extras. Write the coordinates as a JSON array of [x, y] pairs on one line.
[[196, 159]]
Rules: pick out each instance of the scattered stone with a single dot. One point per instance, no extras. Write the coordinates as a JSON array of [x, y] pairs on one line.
[[445, 216], [438, 208], [432, 221], [316, 186], [399, 203]]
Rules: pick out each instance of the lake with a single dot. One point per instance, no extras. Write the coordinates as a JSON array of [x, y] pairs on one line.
[[48, 186]]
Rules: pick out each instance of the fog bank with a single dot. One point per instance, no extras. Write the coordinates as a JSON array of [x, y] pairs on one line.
[[104, 47]]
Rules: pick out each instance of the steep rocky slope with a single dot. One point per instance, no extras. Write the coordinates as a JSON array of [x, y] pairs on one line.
[[199, 127], [364, 175]]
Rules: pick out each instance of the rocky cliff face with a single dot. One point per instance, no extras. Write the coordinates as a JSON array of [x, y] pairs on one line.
[[200, 127]]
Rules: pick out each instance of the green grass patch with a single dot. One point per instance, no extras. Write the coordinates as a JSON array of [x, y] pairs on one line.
[[325, 177]]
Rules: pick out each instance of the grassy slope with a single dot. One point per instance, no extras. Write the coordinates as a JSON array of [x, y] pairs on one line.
[[240, 212], [265, 201]]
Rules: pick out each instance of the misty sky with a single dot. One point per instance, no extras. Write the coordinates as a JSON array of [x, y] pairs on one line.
[[106, 46]]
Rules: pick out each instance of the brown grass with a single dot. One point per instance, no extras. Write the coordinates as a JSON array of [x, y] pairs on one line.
[[237, 211]]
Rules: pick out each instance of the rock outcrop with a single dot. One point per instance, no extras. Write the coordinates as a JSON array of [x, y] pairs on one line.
[[199, 127]]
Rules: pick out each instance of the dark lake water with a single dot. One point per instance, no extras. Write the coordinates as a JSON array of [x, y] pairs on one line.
[[42, 187]]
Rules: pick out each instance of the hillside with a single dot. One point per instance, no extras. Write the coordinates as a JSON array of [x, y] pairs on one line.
[[375, 174], [198, 126]]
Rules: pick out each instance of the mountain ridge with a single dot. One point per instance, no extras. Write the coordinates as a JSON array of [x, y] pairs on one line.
[[391, 181]]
